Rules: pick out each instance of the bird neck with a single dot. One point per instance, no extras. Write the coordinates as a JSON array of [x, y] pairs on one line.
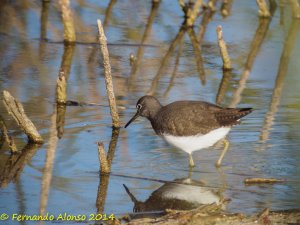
[[154, 110]]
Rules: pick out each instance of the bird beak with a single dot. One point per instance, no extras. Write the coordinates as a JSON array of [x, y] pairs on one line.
[[133, 118]]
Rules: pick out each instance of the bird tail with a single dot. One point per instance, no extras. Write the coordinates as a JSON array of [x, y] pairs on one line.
[[244, 111], [232, 116]]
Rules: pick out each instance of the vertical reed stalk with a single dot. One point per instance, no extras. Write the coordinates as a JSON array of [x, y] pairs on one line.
[[191, 13], [61, 89], [108, 77], [69, 29], [295, 8], [263, 10], [223, 50], [104, 168]]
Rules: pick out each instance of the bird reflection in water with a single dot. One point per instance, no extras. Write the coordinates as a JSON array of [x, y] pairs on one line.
[[180, 194]]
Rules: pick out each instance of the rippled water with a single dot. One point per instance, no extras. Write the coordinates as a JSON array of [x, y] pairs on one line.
[[265, 77]]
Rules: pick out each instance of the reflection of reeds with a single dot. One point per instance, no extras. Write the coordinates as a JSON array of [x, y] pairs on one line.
[[6, 138], [140, 51], [208, 13], [282, 70], [44, 18], [198, 56], [171, 83], [102, 192], [43, 28], [108, 12], [61, 88], [197, 51], [108, 77], [57, 123], [258, 39], [112, 145], [16, 163], [92, 55], [66, 61], [48, 168], [165, 59], [60, 119], [191, 12], [282, 8], [105, 172]]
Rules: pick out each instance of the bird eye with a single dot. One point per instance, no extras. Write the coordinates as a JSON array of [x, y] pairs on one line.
[[138, 106]]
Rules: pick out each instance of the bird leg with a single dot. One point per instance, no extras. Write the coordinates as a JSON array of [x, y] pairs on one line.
[[191, 162], [226, 145]]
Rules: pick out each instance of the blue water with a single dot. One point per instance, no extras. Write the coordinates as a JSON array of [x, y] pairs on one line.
[[266, 144]]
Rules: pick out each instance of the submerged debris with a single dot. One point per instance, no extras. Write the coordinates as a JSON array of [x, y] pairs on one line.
[[262, 180]]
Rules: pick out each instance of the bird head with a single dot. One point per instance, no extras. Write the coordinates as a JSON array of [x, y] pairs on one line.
[[147, 106]]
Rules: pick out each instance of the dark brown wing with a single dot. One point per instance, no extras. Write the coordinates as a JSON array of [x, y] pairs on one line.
[[193, 117], [186, 118]]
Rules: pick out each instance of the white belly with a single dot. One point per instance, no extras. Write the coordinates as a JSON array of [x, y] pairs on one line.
[[197, 142], [190, 193]]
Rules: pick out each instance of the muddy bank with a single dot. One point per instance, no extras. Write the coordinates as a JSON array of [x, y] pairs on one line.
[[212, 215]]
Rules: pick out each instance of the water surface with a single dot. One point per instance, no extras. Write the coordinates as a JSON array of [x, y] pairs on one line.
[[265, 76]]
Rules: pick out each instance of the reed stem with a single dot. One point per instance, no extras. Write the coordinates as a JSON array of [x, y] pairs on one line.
[[69, 29], [15, 108], [108, 77], [223, 50], [104, 168], [263, 10]]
